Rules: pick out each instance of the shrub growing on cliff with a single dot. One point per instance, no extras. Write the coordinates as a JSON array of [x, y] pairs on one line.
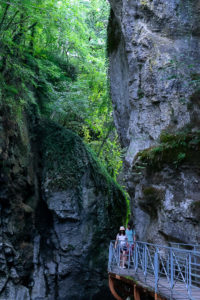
[[173, 149]]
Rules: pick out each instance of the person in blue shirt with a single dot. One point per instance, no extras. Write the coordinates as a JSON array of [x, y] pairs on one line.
[[130, 233]]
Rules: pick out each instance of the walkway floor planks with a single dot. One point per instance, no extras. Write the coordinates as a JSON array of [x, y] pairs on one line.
[[179, 290]]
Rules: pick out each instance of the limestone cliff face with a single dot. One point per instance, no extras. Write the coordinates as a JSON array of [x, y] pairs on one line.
[[153, 47], [58, 209]]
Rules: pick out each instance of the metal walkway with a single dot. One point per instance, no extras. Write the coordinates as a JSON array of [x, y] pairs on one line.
[[171, 272]]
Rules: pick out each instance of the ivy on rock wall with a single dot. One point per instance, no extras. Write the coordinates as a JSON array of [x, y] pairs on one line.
[[174, 149], [65, 153], [69, 164]]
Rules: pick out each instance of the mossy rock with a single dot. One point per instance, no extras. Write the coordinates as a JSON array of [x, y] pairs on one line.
[[174, 150], [66, 159], [63, 154]]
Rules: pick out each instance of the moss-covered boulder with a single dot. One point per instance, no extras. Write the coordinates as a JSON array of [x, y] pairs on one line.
[[85, 207]]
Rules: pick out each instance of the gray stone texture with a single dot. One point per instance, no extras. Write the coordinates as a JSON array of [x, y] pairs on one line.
[[153, 48], [174, 217]]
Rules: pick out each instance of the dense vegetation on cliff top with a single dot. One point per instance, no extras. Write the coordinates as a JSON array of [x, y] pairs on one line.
[[52, 57]]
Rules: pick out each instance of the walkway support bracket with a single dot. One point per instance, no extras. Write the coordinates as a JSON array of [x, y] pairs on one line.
[[136, 293]]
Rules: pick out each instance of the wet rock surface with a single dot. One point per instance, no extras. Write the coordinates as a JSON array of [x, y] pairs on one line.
[[153, 48]]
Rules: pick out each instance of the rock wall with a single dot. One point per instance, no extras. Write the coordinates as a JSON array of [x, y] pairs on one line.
[[59, 210], [19, 196], [153, 48], [165, 197]]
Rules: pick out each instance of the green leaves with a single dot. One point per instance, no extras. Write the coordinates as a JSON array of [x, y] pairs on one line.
[[53, 53]]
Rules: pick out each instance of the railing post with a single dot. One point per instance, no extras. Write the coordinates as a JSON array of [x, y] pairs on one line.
[[189, 274], [136, 256], [118, 255], [129, 255], [156, 266], [110, 256], [187, 271], [171, 271], [145, 261], [143, 247], [168, 264]]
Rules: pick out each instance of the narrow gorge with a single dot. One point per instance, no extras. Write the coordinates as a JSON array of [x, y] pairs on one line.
[[59, 206]]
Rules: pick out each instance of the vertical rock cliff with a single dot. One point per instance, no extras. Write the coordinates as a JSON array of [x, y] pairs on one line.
[[59, 210], [153, 48]]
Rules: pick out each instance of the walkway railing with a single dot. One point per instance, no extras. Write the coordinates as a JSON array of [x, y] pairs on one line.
[[185, 246], [172, 268]]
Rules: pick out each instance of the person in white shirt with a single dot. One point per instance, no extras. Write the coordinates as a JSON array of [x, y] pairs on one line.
[[121, 242]]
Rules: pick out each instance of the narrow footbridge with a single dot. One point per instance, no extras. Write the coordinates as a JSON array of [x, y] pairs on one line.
[[157, 271]]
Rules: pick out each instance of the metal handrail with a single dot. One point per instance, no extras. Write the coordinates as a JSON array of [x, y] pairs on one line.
[[174, 268], [194, 247]]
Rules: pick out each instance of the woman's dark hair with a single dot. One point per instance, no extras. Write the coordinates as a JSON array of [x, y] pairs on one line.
[[130, 223], [122, 232]]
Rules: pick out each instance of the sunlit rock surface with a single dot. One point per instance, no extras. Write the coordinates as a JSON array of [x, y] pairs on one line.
[[153, 48]]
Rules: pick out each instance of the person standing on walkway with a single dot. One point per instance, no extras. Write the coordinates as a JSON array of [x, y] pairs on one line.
[[130, 234], [121, 242]]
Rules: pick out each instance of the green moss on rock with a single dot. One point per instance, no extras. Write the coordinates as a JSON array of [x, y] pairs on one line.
[[173, 149], [63, 154], [65, 161]]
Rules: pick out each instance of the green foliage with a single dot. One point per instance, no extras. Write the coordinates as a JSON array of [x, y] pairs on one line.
[[173, 149], [140, 94], [52, 54], [180, 157]]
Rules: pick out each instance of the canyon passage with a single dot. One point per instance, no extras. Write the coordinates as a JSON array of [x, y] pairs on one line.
[[99, 125]]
